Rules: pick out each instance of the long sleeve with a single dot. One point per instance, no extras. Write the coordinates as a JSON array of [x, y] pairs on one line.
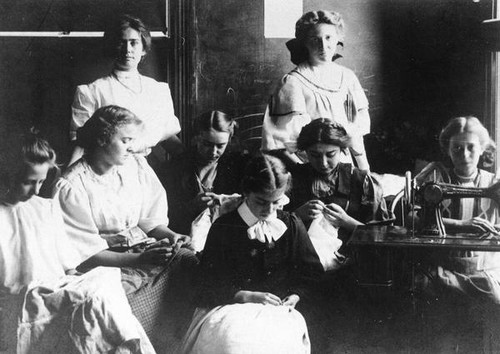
[[307, 265], [219, 280], [154, 210], [78, 220], [373, 205], [84, 105]]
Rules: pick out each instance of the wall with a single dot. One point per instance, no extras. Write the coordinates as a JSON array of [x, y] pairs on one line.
[[39, 75], [420, 62]]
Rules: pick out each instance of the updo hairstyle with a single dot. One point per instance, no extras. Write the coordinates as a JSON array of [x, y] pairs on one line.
[[103, 124], [323, 131], [216, 120], [114, 30], [296, 46], [265, 174]]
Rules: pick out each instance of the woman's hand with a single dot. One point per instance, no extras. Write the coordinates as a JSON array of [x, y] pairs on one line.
[[310, 210], [244, 296], [339, 218], [204, 200], [475, 224], [291, 300], [158, 253]]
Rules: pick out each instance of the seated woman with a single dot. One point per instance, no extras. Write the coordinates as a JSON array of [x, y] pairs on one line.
[[257, 264], [39, 288], [115, 208], [463, 141], [345, 195], [206, 176], [127, 41]]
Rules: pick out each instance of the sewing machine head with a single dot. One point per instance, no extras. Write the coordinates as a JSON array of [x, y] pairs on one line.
[[431, 194]]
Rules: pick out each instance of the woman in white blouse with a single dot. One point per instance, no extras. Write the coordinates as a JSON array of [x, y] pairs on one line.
[[114, 207], [127, 41], [56, 309]]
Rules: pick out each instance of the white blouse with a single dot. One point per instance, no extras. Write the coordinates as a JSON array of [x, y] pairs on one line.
[[115, 209], [304, 95], [33, 245], [152, 103]]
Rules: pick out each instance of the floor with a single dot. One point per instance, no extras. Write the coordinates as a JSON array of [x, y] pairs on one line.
[[377, 320], [371, 323]]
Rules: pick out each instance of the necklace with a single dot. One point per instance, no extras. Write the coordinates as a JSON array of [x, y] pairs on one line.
[[132, 83]]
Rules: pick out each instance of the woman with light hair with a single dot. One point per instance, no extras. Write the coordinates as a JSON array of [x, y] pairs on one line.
[[317, 88]]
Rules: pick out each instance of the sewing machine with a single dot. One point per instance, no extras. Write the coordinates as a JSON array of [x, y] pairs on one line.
[[431, 194]]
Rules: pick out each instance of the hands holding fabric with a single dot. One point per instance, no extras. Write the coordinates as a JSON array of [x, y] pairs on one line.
[[245, 296]]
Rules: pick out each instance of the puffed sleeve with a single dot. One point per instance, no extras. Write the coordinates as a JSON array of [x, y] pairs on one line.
[[84, 105], [172, 125], [373, 205], [359, 103], [66, 253], [285, 116], [78, 221], [154, 209], [161, 122]]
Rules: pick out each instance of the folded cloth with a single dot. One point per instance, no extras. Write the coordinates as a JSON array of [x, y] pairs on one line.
[[94, 308]]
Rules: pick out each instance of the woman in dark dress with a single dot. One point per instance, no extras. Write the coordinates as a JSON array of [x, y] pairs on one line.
[[257, 264], [204, 176], [325, 188]]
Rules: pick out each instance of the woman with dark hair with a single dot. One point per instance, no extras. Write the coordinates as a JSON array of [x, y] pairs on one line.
[[115, 208], [344, 195], [206, 175], [40, 290], [257, 264], [127, 41], [317, 88]]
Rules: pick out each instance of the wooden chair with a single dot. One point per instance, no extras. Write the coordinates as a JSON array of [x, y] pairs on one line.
[[249, 133]]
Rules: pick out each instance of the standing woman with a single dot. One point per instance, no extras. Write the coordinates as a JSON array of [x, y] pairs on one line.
[[317, 88], [198, 178], [127, 41], [257, 265]]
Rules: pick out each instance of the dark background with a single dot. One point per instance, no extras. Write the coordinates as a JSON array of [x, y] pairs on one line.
[[420, 62]]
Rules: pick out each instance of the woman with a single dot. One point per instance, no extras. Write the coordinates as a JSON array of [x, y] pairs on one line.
[[38, 283], [127, 41], [115, 208], [463, 141], [348, 195], [257, 264], [317, 88], [205, 176]]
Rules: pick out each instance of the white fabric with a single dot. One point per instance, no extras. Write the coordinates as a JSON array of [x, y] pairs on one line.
[[153, 105], [33, 245], [200, 226], [271, 229], [94, 308], [324, 237], [247, 329], [97, 208], [34, 256]]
